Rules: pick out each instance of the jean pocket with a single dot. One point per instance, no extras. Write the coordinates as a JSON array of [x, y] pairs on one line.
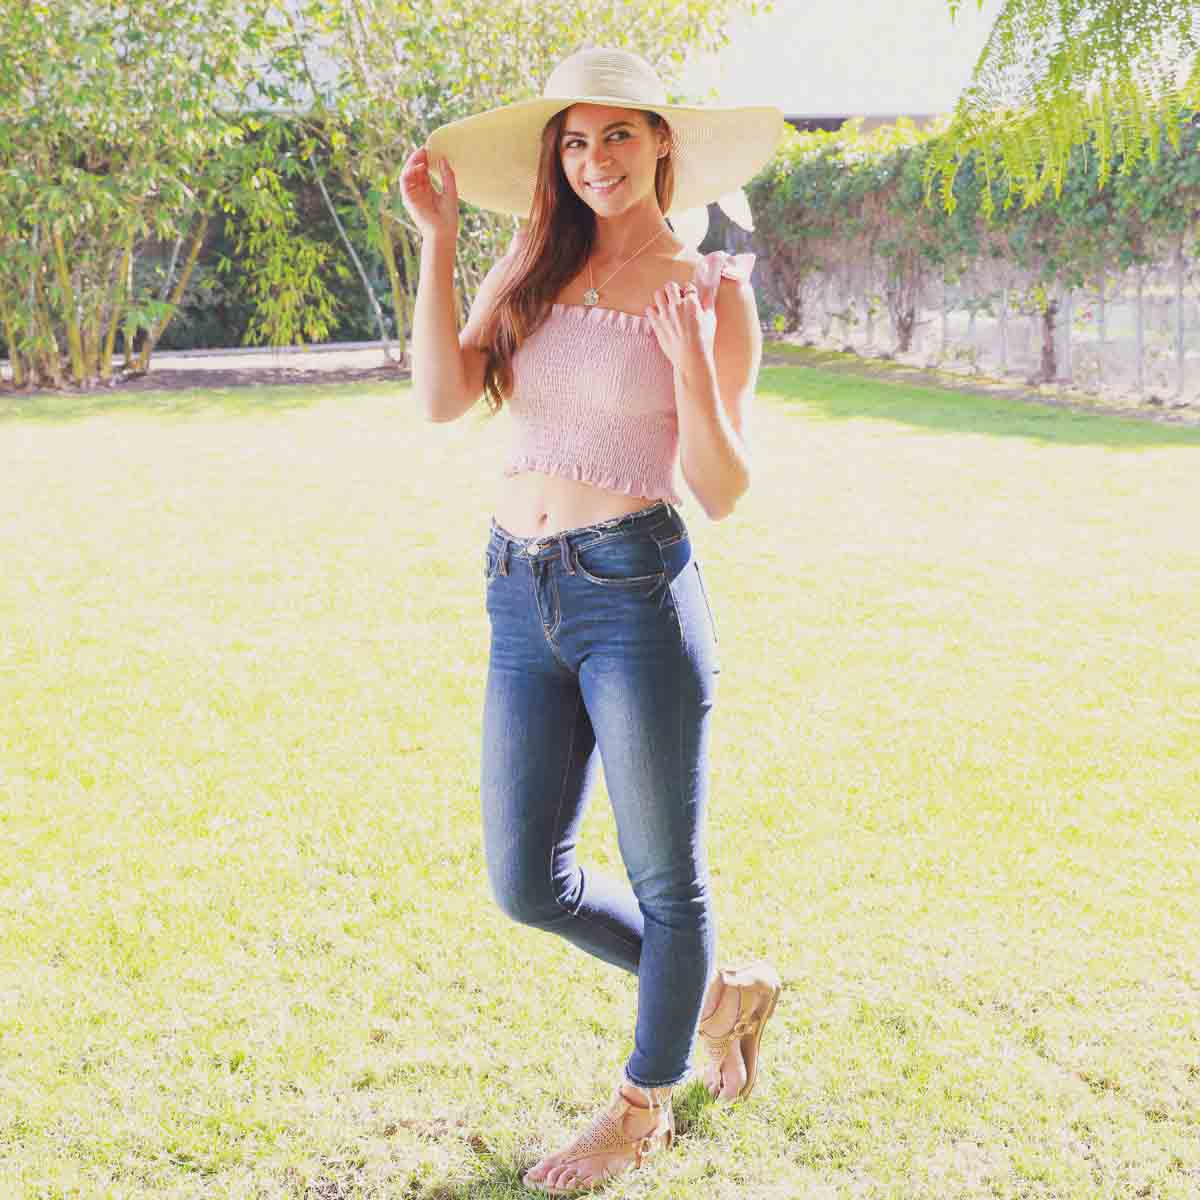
[[622, 561]]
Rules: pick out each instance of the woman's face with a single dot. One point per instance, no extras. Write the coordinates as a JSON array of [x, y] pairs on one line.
[[602, 144]]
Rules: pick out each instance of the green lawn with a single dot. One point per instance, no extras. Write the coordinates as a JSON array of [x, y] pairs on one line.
[[247, 946]]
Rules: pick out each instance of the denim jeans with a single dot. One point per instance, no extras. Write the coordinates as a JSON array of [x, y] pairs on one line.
[[604, 651]]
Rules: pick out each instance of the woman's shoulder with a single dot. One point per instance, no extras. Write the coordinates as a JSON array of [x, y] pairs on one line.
[[708, 268]]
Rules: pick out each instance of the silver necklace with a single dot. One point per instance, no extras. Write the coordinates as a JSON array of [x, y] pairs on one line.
[[592, 295]]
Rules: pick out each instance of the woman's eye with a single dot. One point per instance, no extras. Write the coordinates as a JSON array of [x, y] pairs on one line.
[[621, 133]]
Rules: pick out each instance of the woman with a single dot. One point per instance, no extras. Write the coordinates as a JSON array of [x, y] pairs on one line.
[[620, 357]]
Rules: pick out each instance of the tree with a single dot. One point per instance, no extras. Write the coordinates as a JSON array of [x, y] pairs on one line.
[[1054, 72], [124, 128], [373, 78]]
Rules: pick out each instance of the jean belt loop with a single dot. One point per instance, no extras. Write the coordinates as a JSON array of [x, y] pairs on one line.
[[504, 545], [568, 566]]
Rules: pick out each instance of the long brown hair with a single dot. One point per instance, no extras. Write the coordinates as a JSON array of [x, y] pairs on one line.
[[552, 248]]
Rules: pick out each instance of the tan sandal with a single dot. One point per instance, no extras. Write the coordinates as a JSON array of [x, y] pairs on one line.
[[607, 1135], [757, 987]]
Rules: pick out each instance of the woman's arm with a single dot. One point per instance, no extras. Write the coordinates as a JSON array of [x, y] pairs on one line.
[[714, 394], [472, 356], [439, 377]]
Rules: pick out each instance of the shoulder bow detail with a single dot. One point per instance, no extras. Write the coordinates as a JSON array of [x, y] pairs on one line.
[[720, 263], [738, 266]]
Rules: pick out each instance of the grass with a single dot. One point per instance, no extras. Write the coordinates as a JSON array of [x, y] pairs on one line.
[[1077, 396], [247, 947]]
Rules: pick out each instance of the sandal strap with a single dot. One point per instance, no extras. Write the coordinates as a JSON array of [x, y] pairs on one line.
[[605, 1134], [646, 1093], [717, 1050], [718, 1046]]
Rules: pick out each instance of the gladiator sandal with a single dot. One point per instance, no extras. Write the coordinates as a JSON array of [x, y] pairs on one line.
[[757, 988], [607, 1134]]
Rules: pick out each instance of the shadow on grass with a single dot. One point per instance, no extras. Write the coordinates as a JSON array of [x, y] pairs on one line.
[[832, 389], [829, 385], [184, 402]]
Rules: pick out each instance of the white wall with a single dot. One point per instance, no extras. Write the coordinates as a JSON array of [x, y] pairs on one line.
[[835, 57]]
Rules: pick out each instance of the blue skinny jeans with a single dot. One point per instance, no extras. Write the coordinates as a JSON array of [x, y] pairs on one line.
[[604, 650]]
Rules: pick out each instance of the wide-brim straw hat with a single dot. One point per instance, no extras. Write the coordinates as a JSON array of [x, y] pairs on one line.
[[494, 154]]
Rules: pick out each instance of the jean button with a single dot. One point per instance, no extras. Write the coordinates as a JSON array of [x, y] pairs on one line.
[[532, 549]]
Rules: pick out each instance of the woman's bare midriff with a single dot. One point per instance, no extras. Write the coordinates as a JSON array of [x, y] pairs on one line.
[[536, 504]]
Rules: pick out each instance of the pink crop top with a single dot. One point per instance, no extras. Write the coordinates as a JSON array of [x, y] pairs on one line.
[[593, 395]]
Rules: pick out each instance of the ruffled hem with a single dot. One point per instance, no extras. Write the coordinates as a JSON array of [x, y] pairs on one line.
[[586, 474], [607, 316]]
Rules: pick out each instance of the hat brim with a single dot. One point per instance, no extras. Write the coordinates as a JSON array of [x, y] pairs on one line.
[[494, 154]]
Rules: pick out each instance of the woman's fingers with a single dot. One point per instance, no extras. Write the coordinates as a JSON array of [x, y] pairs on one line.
[[415, 172], [673, 292], [449, 185], [670, 294], [433, 211]]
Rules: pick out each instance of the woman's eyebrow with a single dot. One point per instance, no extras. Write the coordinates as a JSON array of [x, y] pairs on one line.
[[610, 125]]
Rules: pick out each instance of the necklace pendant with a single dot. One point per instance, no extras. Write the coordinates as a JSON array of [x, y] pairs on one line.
[[591, 296]]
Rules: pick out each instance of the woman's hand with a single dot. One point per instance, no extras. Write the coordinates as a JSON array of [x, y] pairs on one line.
[[435, 213], [685, 328]]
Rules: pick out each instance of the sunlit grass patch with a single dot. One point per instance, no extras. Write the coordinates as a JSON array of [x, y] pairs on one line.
[[248, 946]]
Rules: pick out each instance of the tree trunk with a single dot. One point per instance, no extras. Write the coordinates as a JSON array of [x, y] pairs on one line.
[[1065, 371], [48, 365], [1139, 349], [404, 320], [1004, 330], [389, 260], [153, 335], [119, 297], [1048, 367], [10, 338], [362, 274], [70, 319], [1179, 340], [944, 318]]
